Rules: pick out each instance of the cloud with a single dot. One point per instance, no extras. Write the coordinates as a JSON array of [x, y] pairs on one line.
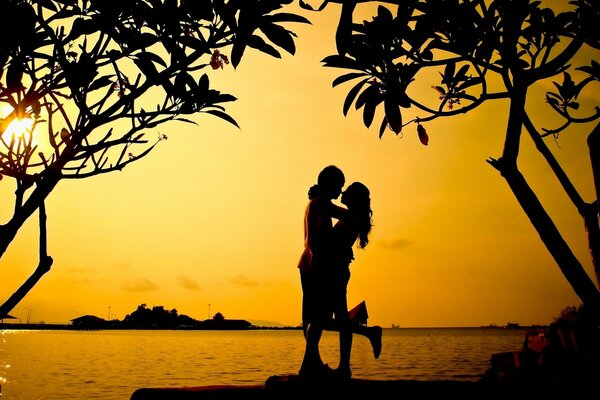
[[80, 270], [242, 281], [394, 244], [279, 283], [187, 283], [141, 285]]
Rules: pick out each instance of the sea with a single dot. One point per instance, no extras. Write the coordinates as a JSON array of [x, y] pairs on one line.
[[112, 364]]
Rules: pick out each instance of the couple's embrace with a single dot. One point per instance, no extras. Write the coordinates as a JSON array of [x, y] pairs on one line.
[[325, 269]]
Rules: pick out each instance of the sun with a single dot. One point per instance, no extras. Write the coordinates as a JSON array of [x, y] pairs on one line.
[[18, 128]]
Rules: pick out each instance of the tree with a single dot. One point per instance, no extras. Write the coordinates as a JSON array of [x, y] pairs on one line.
[[100, 76], [218, 317], [465, 49]]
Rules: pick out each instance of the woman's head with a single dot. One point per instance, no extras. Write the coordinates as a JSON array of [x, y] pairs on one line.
[[357, 198], [330, 182]]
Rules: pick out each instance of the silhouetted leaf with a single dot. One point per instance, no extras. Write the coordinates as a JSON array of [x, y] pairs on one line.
[[155, 58], [224, 116], [280, 36], [258, 43], [343, 34], [225, 98], [237, 52], [198, 9], [393, 115], [286, 17], [370, 107], [338, 61], [551, 99], [101, 82], [187, 121], [203, 83], [307, 6], [14, 75], [468, 83], [146, 66], [182, 82], [47, 4], [427, 55], [448, 76], [593, 70], [36, 107], [366, 95], [423, 137], [64, 134], [352, 95], [573, 104], [384, 124], [82, 26], [347, 77], [461, 75]]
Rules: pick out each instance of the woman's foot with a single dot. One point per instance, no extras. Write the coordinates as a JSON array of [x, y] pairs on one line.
[[375, 339]]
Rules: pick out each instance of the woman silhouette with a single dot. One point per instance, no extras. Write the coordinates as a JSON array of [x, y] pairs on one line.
[[353, 227], [324, 269]]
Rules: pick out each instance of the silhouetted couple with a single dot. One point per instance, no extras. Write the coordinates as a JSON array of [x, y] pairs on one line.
[[325, 269]]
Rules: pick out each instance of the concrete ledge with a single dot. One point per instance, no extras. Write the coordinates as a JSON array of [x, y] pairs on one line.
[[219, 392], [292, 387]]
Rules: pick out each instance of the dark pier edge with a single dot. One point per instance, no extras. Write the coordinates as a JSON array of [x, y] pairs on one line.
[[291, 387]]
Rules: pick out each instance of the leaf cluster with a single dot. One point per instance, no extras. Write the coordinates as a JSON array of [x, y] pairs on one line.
[[99, 75], [468, 44]]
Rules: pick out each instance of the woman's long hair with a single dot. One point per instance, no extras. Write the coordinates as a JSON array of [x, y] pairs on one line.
[[358, 200]]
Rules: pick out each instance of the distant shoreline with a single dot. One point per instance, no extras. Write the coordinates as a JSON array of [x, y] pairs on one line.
[[30, 326], [121, 328]]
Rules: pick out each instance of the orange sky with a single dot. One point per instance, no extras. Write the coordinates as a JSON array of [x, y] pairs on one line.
[[214, 214]]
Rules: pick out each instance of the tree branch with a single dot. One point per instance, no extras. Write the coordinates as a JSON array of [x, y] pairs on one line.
[[44, 265]]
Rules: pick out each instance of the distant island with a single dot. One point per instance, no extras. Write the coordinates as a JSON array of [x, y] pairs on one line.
[[157, 317]]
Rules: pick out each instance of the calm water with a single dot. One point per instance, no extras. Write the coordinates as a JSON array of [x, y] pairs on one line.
[[111, 365]]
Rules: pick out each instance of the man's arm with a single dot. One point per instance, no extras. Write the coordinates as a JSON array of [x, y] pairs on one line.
[[337, 212]]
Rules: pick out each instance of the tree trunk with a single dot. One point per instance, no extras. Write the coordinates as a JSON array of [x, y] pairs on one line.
[[17, 296], [589, 211], [569, 265], [9, 231], [592, 225], [43, 267], [567, 262]]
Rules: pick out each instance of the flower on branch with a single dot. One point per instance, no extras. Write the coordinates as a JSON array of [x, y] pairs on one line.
[[443, 95], [217, 60], [120, 85]]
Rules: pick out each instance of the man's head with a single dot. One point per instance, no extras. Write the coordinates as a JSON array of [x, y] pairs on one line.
[[331, 180]]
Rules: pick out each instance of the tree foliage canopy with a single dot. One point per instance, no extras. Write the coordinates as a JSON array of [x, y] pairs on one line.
[[466, 43], [475, 51], [87, 83]]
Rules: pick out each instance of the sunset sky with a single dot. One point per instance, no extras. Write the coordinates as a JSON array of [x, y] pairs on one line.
[[212, 220]]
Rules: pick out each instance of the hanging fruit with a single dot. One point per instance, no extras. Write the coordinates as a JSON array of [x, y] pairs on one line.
[[423, 137]]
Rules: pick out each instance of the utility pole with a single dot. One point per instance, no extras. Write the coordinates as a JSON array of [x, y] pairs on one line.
[[208, 310], [108, 313]]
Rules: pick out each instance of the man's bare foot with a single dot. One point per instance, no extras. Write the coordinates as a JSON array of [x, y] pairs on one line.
[[317, 371], [343, 373], [375, 339]]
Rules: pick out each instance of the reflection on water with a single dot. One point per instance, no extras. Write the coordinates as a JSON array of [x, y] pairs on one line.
[[110, 365]]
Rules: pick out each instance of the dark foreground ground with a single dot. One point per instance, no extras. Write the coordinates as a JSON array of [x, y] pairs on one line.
[[291, 387], [558, 362]]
